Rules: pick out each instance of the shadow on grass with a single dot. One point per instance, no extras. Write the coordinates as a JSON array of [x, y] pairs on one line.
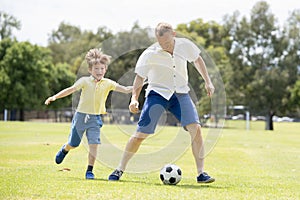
[[180, 185], [189, 186]]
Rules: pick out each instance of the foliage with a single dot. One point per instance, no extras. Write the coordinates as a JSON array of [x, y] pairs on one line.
[[28, 76], [294, 102], [7, 24], [69, 43], [254, 59], [263, 59], [125, 48], [26, 67], [60, 77]]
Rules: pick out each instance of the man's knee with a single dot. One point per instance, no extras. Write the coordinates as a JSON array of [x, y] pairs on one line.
[[139, 137], [194, 128]]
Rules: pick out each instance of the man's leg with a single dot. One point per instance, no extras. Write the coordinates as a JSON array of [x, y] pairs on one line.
[[197, 145], [153, 108], [131, 148], [198, 152]]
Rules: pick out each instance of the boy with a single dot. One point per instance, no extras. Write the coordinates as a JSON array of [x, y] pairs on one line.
[[94, 92]]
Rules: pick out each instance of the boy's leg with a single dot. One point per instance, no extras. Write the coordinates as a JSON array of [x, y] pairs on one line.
[[92, 154], [68, 147], [91, 161], [93, 136], [74, 141]]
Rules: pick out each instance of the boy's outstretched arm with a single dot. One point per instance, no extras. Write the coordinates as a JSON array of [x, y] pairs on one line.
[[61, 94], [123, 89]]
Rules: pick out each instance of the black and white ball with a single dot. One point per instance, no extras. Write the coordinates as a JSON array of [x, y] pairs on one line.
[[170, 174]]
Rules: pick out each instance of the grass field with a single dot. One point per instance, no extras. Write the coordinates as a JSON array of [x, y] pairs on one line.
[[253, 164]]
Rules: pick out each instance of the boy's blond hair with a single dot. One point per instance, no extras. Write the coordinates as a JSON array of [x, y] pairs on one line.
[[96, 56], [162, 28]]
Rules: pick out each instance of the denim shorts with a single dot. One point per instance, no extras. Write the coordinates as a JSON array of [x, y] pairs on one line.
[[88, 123], [180, 105]]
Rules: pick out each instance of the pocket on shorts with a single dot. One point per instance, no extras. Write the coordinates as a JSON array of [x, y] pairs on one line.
[[99, 121]]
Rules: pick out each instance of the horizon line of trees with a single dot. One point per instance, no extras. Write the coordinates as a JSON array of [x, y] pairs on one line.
[[257, 58]]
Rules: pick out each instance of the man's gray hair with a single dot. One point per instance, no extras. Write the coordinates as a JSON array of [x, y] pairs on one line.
[[162, 28]]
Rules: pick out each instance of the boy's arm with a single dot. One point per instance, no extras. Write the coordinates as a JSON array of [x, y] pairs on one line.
[[61, 94], [123, 89], [137, 87], [201, 68]]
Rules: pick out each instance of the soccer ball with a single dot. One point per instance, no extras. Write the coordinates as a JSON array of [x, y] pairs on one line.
[[170, 174]]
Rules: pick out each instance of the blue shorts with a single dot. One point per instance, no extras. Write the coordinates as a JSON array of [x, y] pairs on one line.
[[180, 105], [88, 123]]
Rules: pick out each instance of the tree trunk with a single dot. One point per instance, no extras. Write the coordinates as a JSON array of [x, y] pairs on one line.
[[269, 121], [22, 115], [13, 115]]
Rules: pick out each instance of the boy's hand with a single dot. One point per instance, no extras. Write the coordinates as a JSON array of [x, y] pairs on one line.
[[134, 106], [47, 102]]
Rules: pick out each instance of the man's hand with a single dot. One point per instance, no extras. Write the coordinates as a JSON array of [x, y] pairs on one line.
[[47, 102], [134, 106], [210, 89]]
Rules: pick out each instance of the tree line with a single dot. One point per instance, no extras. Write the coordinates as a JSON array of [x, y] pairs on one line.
[[257, 58]]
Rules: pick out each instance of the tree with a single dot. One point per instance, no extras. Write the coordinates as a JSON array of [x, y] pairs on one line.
[[28, 73], [292, 60], [69, 43], [60, 77], [125, 48], [258, 58], [7, 24], [294, 101]]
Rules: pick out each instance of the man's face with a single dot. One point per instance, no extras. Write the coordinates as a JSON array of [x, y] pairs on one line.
[[166, 41]]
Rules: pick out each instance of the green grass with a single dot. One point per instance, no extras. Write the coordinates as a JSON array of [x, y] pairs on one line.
[[254, 164]]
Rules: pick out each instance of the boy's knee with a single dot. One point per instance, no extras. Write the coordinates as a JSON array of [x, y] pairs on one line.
[[73, 146]]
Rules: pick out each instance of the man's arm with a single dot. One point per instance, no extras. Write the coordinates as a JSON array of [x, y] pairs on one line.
[[137, 88], [201, 67]]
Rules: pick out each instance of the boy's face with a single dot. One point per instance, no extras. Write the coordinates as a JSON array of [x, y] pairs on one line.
[[98, 71]]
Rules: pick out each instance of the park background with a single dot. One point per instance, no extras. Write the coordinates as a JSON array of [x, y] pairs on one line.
[[256, 56]]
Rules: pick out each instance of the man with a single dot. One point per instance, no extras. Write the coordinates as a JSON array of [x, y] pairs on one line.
[[164, 65]]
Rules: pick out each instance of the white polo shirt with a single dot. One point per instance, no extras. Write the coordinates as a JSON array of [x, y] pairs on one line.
[[167, 73]]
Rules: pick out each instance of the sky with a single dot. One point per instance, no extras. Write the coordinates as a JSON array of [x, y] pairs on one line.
[[40, 17]]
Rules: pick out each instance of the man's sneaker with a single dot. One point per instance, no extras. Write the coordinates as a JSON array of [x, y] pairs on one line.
[[60, 155], [205, 178], [89, 175], [115, 176]]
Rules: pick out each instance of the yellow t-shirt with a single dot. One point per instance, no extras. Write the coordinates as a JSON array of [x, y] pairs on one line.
[[93, 94]]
